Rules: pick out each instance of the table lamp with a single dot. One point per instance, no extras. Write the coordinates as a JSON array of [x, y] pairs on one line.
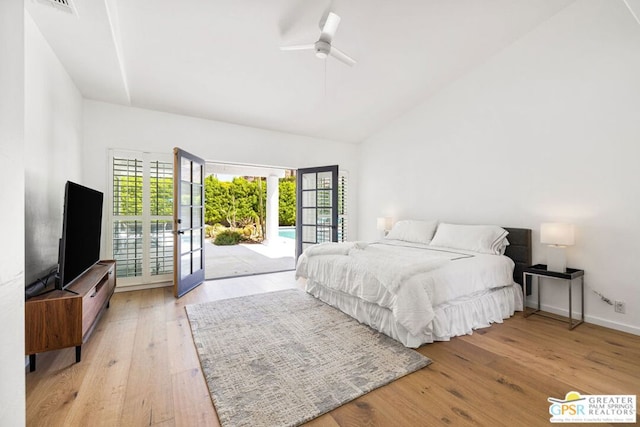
[[558, 236], [384, 224]]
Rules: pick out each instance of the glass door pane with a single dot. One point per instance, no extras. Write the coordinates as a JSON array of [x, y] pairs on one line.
[[317, 206], [188, 221]]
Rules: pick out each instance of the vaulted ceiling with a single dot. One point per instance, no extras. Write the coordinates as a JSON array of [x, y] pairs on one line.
[[221, 60]]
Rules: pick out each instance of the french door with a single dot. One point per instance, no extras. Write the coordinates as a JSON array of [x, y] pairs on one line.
[[188, 221], [317, 207]]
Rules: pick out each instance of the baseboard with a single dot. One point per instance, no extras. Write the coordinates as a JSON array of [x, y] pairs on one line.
[[129, 288], [612, 325], [589, 319]]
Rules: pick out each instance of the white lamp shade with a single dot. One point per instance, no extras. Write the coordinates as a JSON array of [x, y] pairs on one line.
[[384, 224], [557, 233]]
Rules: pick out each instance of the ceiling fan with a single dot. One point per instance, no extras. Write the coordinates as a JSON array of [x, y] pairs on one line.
[[323, 46]]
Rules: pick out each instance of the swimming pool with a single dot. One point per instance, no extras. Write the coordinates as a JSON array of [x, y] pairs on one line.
[[287, 232]]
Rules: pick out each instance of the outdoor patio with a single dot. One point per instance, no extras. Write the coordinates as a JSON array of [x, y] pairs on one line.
[[249, 258]]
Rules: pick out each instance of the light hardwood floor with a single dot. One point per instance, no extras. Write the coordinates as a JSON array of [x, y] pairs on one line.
[[140, 368]]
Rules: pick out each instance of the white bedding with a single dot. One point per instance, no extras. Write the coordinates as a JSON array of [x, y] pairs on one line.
[[419, 285]]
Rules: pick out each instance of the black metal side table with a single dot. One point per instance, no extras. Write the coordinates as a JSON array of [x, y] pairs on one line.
[[540, 270]]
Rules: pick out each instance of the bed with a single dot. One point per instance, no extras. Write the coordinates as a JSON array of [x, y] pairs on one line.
[[428, 282]]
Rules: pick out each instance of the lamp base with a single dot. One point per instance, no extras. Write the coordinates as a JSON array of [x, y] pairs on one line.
[[556, 259]]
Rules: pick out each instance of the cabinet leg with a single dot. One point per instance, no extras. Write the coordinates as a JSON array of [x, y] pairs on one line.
[[78, 353], [32, 362]]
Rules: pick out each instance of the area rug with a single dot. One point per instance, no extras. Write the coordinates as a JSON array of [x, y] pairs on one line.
[[283, 358]]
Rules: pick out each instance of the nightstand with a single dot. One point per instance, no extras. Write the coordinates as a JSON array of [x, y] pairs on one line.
[[540, 270]]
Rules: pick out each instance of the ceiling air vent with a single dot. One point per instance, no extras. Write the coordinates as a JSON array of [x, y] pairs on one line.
[[61, 5]]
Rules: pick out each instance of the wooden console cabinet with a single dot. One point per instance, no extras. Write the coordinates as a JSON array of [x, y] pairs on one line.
[[60, 319]]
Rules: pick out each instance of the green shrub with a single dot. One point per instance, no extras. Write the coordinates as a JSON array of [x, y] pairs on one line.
[[227, 238]]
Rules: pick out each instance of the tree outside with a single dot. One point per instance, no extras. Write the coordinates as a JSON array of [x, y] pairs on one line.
[[287, 200], [235, 211]]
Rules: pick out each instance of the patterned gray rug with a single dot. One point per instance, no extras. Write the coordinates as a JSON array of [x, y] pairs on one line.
[[284, 358]]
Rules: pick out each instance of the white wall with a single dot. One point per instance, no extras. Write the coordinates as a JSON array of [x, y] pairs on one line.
[[109, 126], [546, 130], [53, 136], [12, 383]]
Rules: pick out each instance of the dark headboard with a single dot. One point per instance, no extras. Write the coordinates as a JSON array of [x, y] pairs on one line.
[[519, 250]]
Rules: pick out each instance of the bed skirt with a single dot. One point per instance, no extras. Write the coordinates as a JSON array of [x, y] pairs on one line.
[[454, 318]]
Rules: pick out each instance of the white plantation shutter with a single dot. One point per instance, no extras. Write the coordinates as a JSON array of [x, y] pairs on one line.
[[126, 230], [140, 221], [161, 206]]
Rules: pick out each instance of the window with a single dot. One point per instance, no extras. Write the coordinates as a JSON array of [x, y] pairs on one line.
[[141, 220]]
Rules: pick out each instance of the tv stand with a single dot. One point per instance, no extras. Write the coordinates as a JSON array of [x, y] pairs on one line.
[[60, 319], [55, 289]]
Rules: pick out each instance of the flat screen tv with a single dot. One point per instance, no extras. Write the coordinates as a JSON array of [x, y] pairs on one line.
[[81, 229]]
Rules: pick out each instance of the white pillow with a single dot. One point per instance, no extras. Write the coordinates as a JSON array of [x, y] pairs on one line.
[[486, 239], [502, 246], [413, 231]]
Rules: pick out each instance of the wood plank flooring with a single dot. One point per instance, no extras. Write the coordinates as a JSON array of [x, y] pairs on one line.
[[140, 368]]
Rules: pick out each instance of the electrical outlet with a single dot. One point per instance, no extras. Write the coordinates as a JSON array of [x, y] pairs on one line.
[[619, 307]]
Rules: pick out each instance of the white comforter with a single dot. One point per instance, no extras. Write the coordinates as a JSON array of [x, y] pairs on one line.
[[408, 279]]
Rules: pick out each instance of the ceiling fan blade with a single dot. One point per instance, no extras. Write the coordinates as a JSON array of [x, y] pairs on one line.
[[299, 47], [329, 27], [341, 56]]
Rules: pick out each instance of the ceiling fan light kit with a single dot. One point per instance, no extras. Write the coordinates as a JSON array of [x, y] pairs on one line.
[[323, 47]]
